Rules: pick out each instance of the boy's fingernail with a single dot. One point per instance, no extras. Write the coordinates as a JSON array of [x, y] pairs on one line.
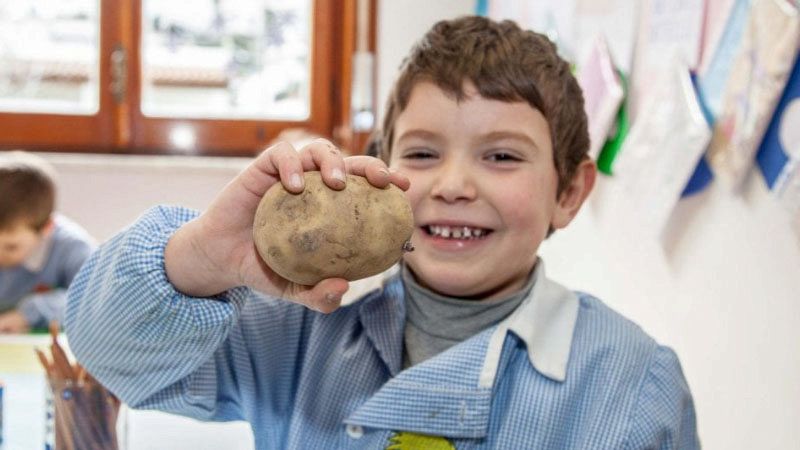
[[337, 174], [384, 172], [330, 297], [296, 181]]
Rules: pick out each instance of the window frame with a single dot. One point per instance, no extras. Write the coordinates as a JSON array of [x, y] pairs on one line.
[[122, 128]]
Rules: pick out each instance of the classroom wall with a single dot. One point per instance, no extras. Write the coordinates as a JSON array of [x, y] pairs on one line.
[[722, 289], [107, 192]]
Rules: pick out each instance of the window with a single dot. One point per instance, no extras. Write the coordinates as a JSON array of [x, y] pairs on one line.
[[180, 76]]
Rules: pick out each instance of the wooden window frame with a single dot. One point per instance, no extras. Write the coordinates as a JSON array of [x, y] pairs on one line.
[[120, 127]]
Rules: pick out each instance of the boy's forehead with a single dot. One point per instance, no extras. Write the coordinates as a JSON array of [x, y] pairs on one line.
[[426, 94], [18, 230], [431, 110]]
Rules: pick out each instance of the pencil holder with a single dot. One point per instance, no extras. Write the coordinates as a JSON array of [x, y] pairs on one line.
[[84, 416]]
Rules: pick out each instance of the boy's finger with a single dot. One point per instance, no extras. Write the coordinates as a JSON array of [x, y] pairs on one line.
[[265, 170], [399, 180], [325, 296], [322, 155], [287, 164], [375, 171]]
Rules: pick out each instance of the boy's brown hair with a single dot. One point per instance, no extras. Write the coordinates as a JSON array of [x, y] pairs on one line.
[[504, 63], [27, 191]]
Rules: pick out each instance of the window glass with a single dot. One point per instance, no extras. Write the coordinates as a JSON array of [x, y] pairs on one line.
[[49, 56], [247, 59]]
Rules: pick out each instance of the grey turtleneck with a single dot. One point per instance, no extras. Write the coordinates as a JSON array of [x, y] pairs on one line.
[[435, 322]]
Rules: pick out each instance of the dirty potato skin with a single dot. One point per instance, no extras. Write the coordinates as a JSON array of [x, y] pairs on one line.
[[323, 233]]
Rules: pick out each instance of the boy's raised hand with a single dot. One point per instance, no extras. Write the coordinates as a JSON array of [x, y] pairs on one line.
[[216, 252]]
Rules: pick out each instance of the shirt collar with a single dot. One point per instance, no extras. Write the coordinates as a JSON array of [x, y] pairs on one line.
[[459, 404], [36, 260], [545, 321]]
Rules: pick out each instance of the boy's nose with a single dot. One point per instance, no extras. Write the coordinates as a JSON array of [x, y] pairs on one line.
[[454, 183]]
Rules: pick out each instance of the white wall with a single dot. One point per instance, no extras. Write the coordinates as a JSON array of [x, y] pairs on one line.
[[105, 193], [401, 23], [723, 291]]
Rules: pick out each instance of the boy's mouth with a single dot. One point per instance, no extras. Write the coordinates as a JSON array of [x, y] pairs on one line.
[[456, 232]]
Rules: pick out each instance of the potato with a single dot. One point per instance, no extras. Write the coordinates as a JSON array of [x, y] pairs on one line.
[[322, 233]]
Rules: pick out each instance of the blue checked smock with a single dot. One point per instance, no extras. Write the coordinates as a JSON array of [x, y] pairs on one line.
[[562, 372]]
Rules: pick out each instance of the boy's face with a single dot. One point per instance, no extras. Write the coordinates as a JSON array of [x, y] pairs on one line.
[[17, 243], [483, 190]]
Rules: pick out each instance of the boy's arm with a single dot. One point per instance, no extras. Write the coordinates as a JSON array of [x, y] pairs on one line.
[[41, 308], [148, 343], [151, 311], [13, 322], [664, 417]]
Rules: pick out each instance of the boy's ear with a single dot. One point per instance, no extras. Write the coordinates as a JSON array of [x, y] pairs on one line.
[[572, 197]]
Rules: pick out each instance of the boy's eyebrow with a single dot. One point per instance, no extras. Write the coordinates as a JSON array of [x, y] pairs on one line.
[[513, 135], [420, 134]]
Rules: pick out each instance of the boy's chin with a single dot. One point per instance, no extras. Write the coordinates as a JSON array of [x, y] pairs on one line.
[[449, 286], [464, 285]]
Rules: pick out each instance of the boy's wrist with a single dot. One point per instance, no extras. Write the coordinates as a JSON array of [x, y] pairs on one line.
[[189, 267]]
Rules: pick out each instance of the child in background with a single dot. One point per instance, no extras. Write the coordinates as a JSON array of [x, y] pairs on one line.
[[467, 344], [40, 252]]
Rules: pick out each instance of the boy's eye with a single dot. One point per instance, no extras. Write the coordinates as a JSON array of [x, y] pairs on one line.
[[420, 153], [502, 157]]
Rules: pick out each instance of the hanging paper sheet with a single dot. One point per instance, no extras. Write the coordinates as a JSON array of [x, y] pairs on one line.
[[615, 20], [554, 18], [602, 94], [781, 144], [662, 149], [715, 20], [779, 154], [666, 28], [716, 67], [758, 76]]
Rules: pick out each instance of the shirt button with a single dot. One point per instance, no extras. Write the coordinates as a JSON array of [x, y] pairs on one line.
[[354, 431]]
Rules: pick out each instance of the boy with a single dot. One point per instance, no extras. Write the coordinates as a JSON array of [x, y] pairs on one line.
[[40, 252], [469, 345]]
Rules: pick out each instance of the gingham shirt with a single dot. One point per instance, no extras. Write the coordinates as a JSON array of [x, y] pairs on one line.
[[562, 372]]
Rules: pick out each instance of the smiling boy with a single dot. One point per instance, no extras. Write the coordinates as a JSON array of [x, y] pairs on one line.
[[468, 345]]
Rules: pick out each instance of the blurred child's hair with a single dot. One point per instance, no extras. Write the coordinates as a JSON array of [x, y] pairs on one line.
[[27, 190], [504, 63], [373, 145]]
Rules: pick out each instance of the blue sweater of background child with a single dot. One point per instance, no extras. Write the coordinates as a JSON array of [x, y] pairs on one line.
[[38, 286]]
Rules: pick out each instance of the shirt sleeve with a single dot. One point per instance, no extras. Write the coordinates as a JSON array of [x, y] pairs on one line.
[[664, 416], [146, 342]]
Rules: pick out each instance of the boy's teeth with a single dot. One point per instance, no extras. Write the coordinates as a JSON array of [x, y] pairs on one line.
[[455, 232]]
